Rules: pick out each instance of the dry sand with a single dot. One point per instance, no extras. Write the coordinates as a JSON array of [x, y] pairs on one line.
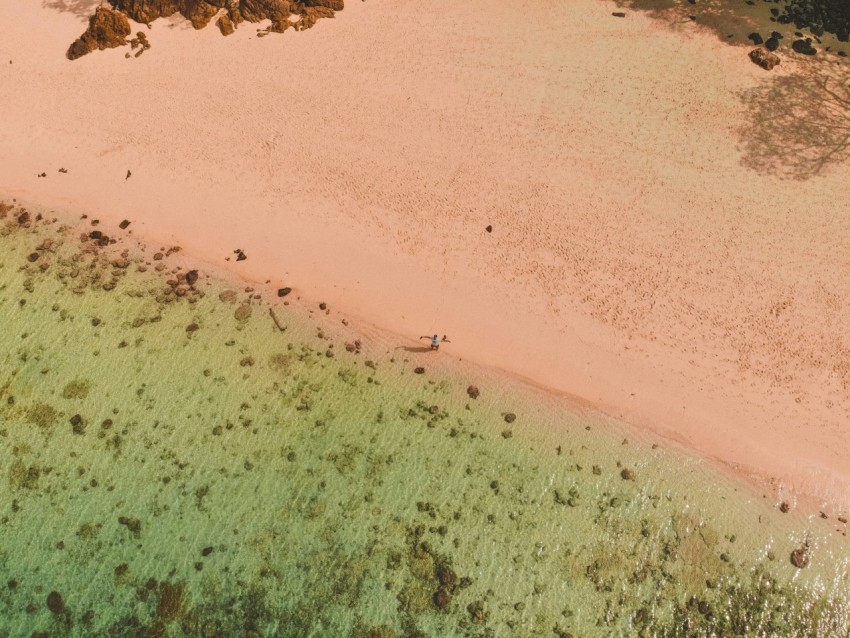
[[644, 258]]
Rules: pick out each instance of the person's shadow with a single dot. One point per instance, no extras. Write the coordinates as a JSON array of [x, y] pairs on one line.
[[416, 348]]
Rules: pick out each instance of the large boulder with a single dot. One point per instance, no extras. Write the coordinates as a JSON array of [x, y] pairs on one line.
[[764, 58], [107, 29]]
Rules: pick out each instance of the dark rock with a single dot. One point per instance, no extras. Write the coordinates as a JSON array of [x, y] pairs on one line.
[[446, 575], [804, 47], [765, 59], [124, 223], [134, 525], [627, 474], [473, 392], [510, 417], [756, 38], [800, 557], [618, 14], [241, 256], [489, 228], [23, 218], [206, 551], [191, 277], [784, 507], [55, 603], [107, 29], [772, 43], [476, 612], [323, 306], [192, 327], [33, 257], [442, 598], [419, 370], [95, 234], [282, 292]]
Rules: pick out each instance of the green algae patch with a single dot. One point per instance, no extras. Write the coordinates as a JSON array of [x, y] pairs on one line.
[[236, 479]]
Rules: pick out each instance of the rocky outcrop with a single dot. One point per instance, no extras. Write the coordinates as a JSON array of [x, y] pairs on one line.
[[200, 12], [107, 29]]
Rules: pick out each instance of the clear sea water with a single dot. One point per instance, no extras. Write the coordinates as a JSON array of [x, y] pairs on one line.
[[178, 465]]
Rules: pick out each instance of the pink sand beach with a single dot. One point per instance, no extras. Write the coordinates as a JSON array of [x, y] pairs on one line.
[[666, 246]]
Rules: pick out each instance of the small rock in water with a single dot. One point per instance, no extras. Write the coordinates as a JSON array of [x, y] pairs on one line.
[[124, 223], [756, 38], [618, 14], [784, 507], [191, 277], [489, 228], [510, 417], [800, 557], [419, 370], [473, 392], [282, 292], [627, 474], [772, 43]]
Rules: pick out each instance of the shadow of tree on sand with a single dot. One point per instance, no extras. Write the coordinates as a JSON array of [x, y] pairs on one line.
[[83, 9], [799, 124]]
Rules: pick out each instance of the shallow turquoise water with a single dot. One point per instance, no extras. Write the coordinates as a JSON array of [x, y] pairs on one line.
[[171, 466]]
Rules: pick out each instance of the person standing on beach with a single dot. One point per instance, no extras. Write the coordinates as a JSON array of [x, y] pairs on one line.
[[436, 341]]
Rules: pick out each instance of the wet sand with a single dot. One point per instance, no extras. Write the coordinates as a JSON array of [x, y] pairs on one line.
[[647, 257]]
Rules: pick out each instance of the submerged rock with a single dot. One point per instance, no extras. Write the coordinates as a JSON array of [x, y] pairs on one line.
[[442, 598], [627, 474], [107, 29], [242, 312], [55, 603], [473, 392]]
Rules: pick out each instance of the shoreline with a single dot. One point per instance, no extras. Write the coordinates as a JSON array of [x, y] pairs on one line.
[[341, 326], [574, 298], [245, 445]]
